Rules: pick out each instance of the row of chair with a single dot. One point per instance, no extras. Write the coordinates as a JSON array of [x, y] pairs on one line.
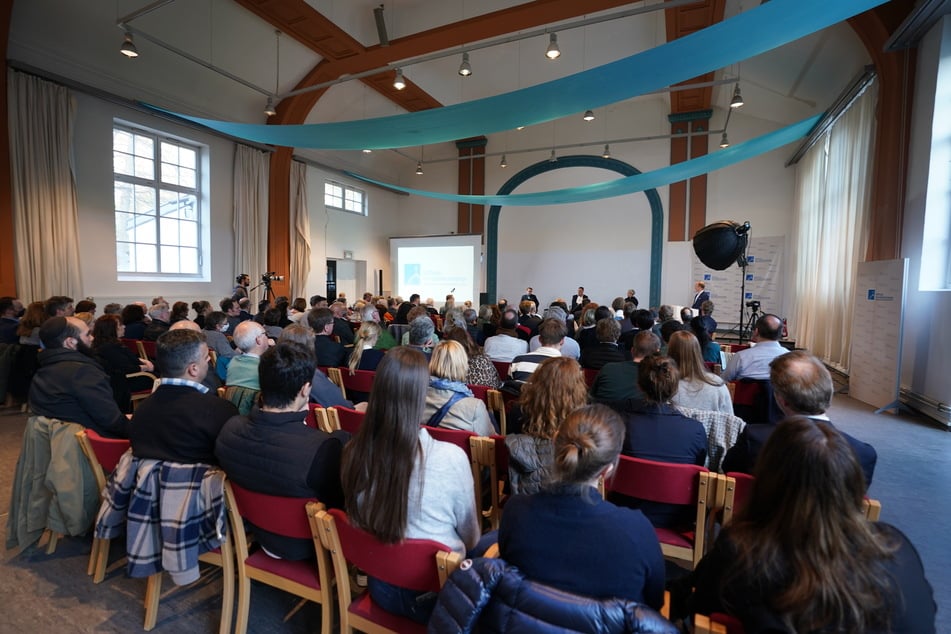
[[421, 565]]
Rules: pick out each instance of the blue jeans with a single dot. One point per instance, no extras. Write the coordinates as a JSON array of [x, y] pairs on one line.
[[416, 606]]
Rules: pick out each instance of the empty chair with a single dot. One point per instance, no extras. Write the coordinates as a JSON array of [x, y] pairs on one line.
[[287, 517], [417, 564]]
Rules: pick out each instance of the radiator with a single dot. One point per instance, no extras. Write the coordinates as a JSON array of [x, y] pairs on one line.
[[940, 412]]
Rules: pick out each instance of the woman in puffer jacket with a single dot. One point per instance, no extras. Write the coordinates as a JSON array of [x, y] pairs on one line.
[[553, 391]]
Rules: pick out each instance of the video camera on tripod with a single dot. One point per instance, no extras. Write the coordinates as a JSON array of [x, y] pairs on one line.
[[267, 278]]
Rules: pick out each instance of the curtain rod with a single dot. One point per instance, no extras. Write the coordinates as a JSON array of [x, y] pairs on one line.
[[841, 104], [109, 97]]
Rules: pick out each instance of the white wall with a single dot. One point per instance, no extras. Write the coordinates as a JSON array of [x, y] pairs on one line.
[[93, 169], [926, 364]]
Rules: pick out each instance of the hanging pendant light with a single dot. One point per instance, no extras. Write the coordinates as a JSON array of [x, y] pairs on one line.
[[419, 168], [465, 69], [553, 52], [588, 115], [503, 163], [737, 100], [128, 47], [724, 141], [552, 158], [399, 83], [269, 109], [607, 152]]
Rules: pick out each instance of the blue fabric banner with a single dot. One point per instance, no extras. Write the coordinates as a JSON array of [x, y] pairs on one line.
[[630, 184], [746, 35]]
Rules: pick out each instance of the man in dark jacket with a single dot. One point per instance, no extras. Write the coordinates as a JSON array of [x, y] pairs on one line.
[[802, 386], [271, 451], [329, 352], [70, 385], [180, 421]]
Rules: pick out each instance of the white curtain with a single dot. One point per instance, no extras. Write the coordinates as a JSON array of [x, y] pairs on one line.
[[830, 231], [300, 231], [45, 212], [251, 172]]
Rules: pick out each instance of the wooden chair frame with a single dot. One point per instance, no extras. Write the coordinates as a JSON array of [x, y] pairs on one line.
[[496, 405], [344, 418], [318, 418], [98, 556], [324, 526], [628, 480], [246, 573], [336, 377], [468, 442]]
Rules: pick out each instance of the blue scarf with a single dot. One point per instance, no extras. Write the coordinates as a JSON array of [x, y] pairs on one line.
[[446, 384]]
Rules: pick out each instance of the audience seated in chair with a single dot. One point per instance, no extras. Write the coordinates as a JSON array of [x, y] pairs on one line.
[[491, 595], [566, 536], [271, 451], [329, 352], [595, 357], [618, 381], [657, 431], [449, 402], [251, 339], [118, 361], [753, 363], [801, 556], [551, 336], [399, 483], [801, 386], [505, 344], [552, 392], [69, 385], [180, 421], [698, 388]]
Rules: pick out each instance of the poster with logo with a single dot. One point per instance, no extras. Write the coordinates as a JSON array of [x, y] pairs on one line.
[[764, 282], [875, 365]]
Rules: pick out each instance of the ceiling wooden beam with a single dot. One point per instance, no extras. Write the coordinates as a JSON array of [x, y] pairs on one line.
[[344, 55], [683, 21]]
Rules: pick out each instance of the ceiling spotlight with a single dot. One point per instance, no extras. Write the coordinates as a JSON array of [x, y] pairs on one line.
[[607, 152], [737, 100], [724, 142], [367, 150], [521, 127], [465, 69], [552, 158], [588, 115], [128, 46], [503, 163], [269, 109], [419, 169], [399, 83], [553, 52]]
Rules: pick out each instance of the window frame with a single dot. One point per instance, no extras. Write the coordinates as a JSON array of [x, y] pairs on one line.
[[345, 192], [158, 186]]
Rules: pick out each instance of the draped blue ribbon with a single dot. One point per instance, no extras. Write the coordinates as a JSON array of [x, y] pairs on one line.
[[743, 36], [630, 184]]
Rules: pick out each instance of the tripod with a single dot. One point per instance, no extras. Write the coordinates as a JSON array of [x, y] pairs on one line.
[[755, 314], [268, 291]]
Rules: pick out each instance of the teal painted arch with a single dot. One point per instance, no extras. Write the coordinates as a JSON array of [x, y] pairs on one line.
[[653, 198]]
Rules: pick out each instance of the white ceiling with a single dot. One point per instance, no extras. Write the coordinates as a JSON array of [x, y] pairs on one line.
[[79, 39]]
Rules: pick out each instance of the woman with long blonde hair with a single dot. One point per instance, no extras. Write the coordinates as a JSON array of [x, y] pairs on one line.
[[364, 355], [554, 390]]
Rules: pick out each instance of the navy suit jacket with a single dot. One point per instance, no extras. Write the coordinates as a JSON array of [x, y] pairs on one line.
[[742, 455], [704, 296]]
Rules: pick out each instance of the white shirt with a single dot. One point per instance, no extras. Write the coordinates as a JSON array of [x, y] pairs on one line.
[[753, 363]]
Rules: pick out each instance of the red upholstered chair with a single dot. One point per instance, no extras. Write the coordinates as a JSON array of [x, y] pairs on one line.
[[716, 623], [464, 440], [345, 418], [481, 392], [148, 348], [318, 418], [418, 564], [590, 376], [285, 516], [493, 454], [670, 483], [503, 368], [133, 345], [103, 455], [739, 486], [357, 384]]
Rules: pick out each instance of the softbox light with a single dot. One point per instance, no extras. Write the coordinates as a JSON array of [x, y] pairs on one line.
[[721, 244]]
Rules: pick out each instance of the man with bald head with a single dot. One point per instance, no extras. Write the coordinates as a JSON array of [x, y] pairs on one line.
[[753, 363], [251, 339], [70, 385], [802, 386]]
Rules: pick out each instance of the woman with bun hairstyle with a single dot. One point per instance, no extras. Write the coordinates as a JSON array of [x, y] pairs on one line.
[[800, 556], [569, 538]]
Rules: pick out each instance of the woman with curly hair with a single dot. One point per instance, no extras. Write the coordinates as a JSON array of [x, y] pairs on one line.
[[481, 369], [802, 557], [554, 390]]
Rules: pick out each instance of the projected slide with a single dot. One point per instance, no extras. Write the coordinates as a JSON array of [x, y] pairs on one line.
[[437, 266]]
